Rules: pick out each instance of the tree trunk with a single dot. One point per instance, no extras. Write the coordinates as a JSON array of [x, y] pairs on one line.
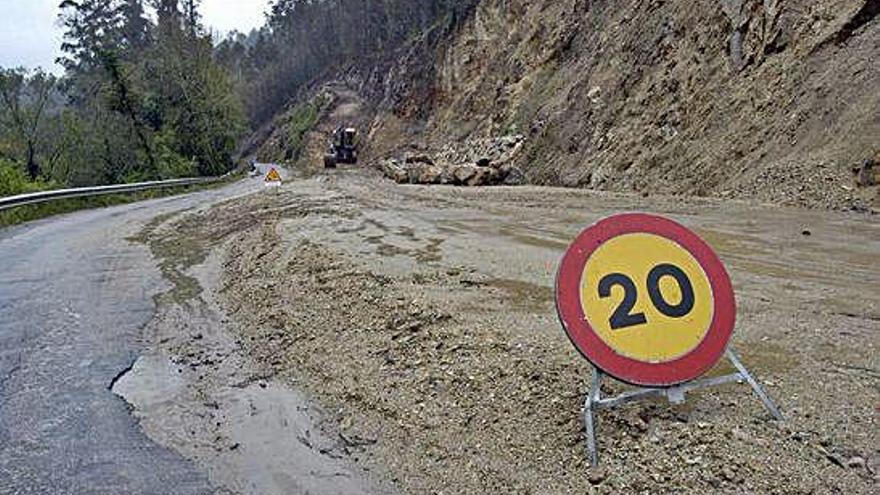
[[33, 168]]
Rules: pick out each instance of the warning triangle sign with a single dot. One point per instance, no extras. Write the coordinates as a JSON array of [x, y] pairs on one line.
[[273, 176]]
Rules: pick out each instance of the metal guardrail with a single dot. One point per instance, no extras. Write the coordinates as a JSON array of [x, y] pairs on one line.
[[46, 196]]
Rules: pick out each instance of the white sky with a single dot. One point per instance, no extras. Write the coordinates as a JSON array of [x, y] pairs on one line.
[[30, 37]]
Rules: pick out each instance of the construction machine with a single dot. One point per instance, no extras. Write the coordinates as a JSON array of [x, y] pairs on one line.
[[343, 147]]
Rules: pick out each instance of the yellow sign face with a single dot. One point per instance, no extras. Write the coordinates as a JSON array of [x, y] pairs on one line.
[[646, 297], [273, 176]]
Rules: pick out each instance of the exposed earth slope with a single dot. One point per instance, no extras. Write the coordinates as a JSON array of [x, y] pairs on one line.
[[768, 100]]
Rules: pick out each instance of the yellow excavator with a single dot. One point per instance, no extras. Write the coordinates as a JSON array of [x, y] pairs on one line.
[[343, 147]]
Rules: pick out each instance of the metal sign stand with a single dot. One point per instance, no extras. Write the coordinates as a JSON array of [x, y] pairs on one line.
[[675, 395]]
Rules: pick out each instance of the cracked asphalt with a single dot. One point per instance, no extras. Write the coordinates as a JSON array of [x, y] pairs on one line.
[[74, 296]]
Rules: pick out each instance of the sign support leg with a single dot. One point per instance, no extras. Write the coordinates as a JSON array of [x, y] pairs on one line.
[[759, 390], [675, 395], [593, 397]]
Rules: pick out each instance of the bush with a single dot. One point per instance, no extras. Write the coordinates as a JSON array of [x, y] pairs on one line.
[[14, 181], [171, 164], [302, 121]]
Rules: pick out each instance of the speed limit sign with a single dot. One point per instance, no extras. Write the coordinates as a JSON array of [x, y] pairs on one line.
[[645, 300]]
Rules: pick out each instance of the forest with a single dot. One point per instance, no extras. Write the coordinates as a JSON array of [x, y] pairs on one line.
[[148, 92], [303, 40], [141, 98]]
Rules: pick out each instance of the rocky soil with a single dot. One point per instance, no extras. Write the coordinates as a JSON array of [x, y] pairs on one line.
[[422, 320]]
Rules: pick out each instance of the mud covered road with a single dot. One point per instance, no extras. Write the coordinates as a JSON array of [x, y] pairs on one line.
[[414, 328]]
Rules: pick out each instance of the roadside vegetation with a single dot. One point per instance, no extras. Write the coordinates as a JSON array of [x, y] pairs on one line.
[[147, 93], [302, 121], [13, 180], [141, 98]]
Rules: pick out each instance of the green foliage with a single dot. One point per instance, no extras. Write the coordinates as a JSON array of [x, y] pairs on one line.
[[151, 97], [24, 104], [172, 164], [140, 100], [14, 181], [302, 120], [148, 99]]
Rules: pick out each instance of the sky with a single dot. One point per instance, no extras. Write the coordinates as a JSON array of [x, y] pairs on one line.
[[30, 36]]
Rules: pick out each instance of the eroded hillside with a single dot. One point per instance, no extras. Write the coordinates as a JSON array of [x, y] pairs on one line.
[[766, 100]]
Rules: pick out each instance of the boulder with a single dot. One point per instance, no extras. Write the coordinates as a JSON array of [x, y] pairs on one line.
[[476, 162], [447, 171], [423, 173], [394, 171], [868, 173], [462, 174], [419, 158], [512, 175], [482, 177], [511, 141]]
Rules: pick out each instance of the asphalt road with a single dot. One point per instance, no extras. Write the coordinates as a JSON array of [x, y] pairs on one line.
[[74, 295]]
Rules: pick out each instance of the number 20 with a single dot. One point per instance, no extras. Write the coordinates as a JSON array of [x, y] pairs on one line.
[[624, 318]]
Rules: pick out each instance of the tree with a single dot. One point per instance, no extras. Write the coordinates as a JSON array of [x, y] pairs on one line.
[[24, 98], [200, 111], [192, 20], [155, 102], [90, 28], [307, 39], [136, 27]]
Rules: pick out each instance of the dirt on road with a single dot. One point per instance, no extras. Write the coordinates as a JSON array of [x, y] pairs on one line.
[[422, 321]]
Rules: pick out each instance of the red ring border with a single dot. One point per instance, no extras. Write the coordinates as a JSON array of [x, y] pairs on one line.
[[571, 314]]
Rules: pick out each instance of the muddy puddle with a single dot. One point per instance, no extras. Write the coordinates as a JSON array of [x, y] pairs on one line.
[[265, 437]]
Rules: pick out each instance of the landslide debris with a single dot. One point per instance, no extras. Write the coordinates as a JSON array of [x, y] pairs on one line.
[[868, 173], [484, 162]]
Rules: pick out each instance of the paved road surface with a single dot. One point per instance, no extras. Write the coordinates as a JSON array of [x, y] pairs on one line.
[[74, 295]]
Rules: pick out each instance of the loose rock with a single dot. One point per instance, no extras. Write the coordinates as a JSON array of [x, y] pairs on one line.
[[856, 463], [597, 475], [484, 162], [868, 173]]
